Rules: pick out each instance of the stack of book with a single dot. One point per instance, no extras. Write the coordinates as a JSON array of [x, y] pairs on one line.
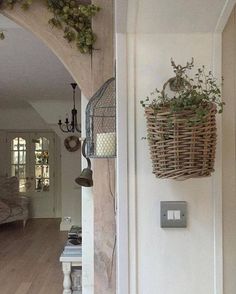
[[73, 245], [75, 233]]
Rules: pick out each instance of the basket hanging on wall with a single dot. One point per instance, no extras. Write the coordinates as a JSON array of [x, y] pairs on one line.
[[181, 146], [101, 122], [181, 151]]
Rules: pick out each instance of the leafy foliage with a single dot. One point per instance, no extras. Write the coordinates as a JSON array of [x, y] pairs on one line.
[[194, 95], [70, 16], [2, 36]]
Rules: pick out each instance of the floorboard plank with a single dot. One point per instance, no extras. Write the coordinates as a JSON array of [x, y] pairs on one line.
[[29, 258]]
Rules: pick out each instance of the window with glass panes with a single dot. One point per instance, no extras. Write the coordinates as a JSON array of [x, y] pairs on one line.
[[18, 161], [42, 173]]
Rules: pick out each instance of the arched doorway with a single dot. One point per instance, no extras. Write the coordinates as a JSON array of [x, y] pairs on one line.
[[89, 73]]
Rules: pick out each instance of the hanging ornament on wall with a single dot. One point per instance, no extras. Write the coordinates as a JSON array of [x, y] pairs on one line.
[[72, 143]]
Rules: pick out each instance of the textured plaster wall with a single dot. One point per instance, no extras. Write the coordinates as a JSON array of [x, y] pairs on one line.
[[105, 226]]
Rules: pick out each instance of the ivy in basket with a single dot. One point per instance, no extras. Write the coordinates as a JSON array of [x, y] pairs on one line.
[[191, 93], [181, 124]]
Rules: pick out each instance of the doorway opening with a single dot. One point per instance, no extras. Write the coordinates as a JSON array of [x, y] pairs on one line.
[[34, 92]]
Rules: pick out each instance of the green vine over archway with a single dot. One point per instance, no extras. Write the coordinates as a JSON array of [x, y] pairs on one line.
[[73, 18]]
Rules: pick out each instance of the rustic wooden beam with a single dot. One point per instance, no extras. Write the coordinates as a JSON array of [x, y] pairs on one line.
[[104, 169]]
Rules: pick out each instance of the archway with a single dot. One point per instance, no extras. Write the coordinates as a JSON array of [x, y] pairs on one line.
[[89, 72]]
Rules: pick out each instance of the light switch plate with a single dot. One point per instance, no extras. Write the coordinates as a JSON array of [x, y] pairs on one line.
[[173, 214]]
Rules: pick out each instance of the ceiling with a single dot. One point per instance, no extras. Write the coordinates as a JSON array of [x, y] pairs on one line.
[[169, 16], [29, 70], [179, 16]]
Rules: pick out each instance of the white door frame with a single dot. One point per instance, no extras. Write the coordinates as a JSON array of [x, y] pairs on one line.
[[122, 271], [50, 195]]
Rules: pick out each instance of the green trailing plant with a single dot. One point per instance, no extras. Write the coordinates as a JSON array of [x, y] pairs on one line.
[[2, 36], [68, 15], [192, 94]]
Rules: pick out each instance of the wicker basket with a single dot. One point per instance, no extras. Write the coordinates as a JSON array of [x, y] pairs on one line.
[[178, 150]]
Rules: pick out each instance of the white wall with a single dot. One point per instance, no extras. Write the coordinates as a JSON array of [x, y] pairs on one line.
[[70, 191], [51, 111], [177, 255], [21, 118], [179, 261]]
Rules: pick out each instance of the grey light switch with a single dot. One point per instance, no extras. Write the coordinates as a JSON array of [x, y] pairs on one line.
[[173, 214]]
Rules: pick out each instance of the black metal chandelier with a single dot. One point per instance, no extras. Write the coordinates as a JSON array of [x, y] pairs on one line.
[[70, 126]]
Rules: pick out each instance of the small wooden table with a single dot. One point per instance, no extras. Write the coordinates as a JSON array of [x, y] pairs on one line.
[[69, 260]]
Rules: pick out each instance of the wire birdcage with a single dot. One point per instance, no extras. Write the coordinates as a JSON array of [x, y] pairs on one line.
[[101, 122]]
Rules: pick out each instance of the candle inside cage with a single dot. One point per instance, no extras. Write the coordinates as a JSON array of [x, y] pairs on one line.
[[106, 145]]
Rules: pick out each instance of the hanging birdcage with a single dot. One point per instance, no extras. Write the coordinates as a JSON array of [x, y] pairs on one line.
[[101, 122]]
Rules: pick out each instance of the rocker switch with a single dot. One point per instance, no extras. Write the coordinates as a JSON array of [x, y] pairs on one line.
[[173, 214]]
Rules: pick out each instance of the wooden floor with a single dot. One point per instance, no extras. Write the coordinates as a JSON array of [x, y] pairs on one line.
[[29, 258]]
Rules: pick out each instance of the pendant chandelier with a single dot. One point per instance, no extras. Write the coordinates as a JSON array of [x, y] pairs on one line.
[[70, 126]]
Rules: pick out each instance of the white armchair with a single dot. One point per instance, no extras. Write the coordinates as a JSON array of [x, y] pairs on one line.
[[13, 207]]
